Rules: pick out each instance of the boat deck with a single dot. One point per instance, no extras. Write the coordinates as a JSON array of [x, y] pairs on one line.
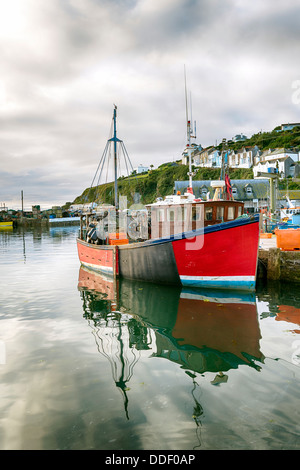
[[267, 243]]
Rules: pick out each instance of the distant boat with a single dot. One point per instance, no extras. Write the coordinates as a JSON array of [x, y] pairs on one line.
[[179, 240], [287, 214], [6, 224]]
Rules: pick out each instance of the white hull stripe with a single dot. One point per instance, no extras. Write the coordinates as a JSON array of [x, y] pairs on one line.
[[218, 278], [232, 282], [99, 268], [218, 299]]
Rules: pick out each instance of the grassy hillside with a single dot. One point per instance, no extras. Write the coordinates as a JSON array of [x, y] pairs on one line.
[[273, 139], [155, 183]]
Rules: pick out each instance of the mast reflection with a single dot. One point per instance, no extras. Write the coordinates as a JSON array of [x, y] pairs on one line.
[[119, 336]]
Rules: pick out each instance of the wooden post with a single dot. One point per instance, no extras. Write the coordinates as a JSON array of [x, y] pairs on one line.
[[115, 260], [22, 202]]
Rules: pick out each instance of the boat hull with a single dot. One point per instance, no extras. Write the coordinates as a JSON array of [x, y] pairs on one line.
[[98, 258], [219, 256], [227, 259]]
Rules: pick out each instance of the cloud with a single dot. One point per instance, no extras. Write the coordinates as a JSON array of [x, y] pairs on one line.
[[65, 63]]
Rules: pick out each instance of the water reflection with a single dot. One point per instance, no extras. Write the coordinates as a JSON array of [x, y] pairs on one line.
[[283, 302], [201, 331], [173, 371]]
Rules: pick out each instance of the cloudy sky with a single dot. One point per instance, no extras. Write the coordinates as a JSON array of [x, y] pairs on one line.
[[65, 63]]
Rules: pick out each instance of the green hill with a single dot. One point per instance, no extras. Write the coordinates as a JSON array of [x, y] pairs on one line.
[[155, 183], [274, 139]]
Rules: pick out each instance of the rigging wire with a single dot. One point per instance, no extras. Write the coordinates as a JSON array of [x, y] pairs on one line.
[[106, 160]]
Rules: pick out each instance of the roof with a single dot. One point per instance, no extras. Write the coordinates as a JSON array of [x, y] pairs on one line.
[[260, 188], [278, 151], [283, 150], [246, 148], [294, 194]]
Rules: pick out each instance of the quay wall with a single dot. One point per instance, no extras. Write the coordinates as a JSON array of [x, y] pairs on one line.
[[275, 264], [27, 222], [30, 222]]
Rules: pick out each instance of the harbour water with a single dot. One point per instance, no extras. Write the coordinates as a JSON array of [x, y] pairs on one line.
[[88, 363]]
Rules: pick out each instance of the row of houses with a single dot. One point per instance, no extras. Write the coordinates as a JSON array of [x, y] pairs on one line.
[[285, 162], [255, 193]]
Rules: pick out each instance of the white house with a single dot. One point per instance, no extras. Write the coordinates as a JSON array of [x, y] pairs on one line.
[[239, 138], [208, 158], [142, 168], [289, 126], [280, 160], [243, 158], [196, 148]]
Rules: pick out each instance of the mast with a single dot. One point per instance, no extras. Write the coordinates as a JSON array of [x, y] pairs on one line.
[[106, 159], [224, 156], [114, 139], [227, 189], [190, 188], [115, 155], [189, 135]]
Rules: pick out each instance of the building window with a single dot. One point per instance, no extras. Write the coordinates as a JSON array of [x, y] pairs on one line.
[[204, 191]]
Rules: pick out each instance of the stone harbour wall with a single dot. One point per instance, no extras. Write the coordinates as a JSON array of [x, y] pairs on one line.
[[276, 264]]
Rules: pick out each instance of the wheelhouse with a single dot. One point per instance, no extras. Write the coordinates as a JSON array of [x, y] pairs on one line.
[[171, 219]]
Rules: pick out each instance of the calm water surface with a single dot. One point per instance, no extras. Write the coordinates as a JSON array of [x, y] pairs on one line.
[[89, 364]]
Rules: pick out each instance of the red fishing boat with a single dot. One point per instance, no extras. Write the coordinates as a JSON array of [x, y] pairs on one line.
[[179, 240]]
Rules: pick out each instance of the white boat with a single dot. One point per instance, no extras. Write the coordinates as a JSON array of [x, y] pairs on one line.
[[287, 213]]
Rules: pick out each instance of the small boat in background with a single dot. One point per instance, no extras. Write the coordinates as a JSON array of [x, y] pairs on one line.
[[291, 214], [8, 224]]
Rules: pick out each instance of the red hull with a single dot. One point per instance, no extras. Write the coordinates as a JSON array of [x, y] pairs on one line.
[[99, 258], [220, 256], [223, 256]]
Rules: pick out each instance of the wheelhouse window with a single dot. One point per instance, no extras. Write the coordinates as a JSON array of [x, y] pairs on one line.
[[196, 213], [180, 213], [230, 213], [171, 215], [239, 211], [208, 213], [161, 215], [220, 212]]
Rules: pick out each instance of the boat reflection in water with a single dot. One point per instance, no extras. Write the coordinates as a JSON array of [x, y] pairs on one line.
[[201, 330]]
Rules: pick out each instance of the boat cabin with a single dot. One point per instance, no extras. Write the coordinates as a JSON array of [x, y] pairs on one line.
[[169, 219]]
